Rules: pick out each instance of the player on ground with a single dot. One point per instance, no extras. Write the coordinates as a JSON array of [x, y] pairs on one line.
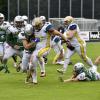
[[81, 73]]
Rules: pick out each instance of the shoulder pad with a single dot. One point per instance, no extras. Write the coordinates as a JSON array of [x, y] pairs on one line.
[[12, 29], [5, 25], [21, 36], [73, 27]]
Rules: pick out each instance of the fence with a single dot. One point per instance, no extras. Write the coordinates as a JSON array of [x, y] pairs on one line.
[[54, 8], [84, 24]]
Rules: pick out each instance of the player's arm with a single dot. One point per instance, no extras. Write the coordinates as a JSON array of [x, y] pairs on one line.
[[52, 31], [28, 45], [97, 61], [73, 78]]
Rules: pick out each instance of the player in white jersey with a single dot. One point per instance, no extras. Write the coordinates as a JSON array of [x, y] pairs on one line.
[[72, 34], [3, 27], [43, 33], [2, 35], [43, 18], [13, 44], [29, 42], [81, 73]]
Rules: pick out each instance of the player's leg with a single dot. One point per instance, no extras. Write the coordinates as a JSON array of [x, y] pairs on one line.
[[20, 54], [25, 61], [57, 51], [43, 51], [68, 55], [9, 51], [33, 67], [15, 60], [81, 50]]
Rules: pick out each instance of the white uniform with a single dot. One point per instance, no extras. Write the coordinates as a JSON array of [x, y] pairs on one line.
[[58, 48], [42, 48], [79, 44], [3, 28], [26, 53], [9, 50], [91, 75]]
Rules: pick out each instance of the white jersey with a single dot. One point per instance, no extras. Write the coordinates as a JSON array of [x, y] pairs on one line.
[[12, 29], [5, 25], [44, 36], [12, 36], [76, 40]]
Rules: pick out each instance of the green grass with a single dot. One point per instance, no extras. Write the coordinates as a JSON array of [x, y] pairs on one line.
[[12, 86]]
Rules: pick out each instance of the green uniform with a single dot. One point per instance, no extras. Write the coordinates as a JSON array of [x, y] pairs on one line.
[[2, 35], [87, 74], [29, 39], [12, 40]]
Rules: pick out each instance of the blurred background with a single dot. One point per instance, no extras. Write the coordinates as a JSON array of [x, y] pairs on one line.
[[86, 12]]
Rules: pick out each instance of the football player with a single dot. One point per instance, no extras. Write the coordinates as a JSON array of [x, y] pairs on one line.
[[3, 27], [29, 42], [72, 34], [43, 33], [13, 45], [81, 73]]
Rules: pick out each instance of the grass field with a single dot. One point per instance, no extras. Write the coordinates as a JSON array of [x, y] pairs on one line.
[[12, 86]]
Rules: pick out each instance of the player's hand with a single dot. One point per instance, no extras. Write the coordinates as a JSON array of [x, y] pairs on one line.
[[36, 40], [69, 46]]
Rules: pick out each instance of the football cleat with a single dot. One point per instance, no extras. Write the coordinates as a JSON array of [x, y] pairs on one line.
[[43, 74], [62, 71], [28, 80], [1, 68]]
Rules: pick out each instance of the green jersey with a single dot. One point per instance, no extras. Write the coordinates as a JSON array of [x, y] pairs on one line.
[[87, 74], [2, 35], [12, 37]]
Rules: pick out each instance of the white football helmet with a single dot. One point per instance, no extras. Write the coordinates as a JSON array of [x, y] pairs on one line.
[[28, 29], [1, 18], [68, 20], [43, 18], [37, 23], [19, 21], [78, 66], [25, 18]]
